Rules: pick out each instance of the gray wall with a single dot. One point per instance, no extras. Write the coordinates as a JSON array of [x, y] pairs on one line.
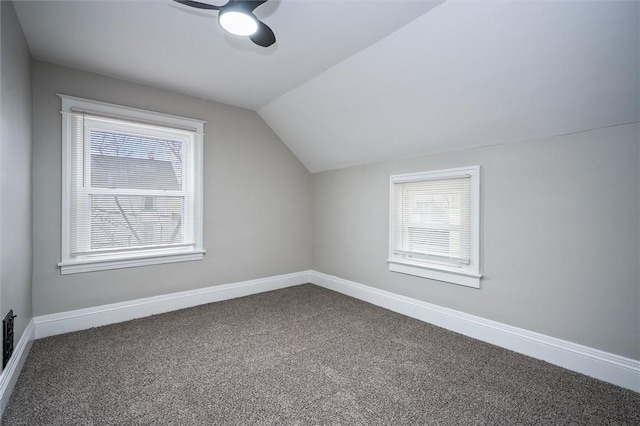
[[560, 235], [15, 171], [560, 226], [257, 197]]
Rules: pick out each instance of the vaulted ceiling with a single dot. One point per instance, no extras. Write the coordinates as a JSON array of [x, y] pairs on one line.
[[352, 82], [169, 45]]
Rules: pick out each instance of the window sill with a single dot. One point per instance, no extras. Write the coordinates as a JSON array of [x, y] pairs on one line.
[[91, 265], [446, 274]]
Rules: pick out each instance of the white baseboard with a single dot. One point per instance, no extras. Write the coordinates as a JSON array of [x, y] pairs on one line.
[[615, 369], [82, 319], [10, 374]]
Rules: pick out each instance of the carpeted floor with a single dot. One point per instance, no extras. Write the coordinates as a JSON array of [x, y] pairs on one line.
[[302, 355]]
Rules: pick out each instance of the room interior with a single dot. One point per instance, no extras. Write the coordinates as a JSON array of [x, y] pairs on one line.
[[301, 138]]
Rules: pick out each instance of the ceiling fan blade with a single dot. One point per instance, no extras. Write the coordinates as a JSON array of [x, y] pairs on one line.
[[264, 36], [198, 5], [251, 5], [246, 5]]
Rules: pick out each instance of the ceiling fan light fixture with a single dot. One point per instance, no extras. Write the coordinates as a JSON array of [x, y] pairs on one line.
[[236, 17], [238, 23]]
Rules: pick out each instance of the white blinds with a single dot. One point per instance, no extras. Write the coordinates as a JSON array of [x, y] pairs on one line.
[[131, 186], [432, 220]]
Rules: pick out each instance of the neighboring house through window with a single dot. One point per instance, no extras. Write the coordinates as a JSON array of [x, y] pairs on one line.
[[132, 187], [434, 226]]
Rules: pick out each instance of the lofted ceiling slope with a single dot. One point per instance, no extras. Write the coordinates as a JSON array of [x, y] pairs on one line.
[[353, 82], [466, 74], [169, 45]]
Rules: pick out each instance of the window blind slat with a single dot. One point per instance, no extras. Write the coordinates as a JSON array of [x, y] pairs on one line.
[[432, 219]]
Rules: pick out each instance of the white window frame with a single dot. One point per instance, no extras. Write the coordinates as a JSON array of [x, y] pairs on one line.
[[466, 275], [71, 264]]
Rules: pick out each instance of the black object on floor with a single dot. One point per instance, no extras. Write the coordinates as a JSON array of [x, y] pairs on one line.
[[7, 337]]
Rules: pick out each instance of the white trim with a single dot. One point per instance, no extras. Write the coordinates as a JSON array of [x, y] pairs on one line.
[[434, 175], [82, 319], [615, 369], [10, 374], [79, 266], [443, 273], [75, 104]]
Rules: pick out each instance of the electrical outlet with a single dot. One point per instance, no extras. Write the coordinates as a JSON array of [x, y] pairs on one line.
[[7, 337]]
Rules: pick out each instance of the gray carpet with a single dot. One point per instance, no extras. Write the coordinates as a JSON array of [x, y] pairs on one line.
[[302, 355]]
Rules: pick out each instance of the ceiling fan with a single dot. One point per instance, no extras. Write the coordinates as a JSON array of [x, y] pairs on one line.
[[236, 17]]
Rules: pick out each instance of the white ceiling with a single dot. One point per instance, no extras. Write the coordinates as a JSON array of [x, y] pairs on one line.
[[467, 74], [169, 45], [354, 82]]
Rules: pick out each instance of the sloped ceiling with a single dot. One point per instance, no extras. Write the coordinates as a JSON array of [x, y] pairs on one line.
[[467, 74], [169, 45], [352, 82]]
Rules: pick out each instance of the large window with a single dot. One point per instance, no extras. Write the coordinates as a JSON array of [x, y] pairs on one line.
[[434, 226], [132, 187]]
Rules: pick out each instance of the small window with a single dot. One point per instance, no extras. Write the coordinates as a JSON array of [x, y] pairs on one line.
[[434, 226], [132, 187]]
